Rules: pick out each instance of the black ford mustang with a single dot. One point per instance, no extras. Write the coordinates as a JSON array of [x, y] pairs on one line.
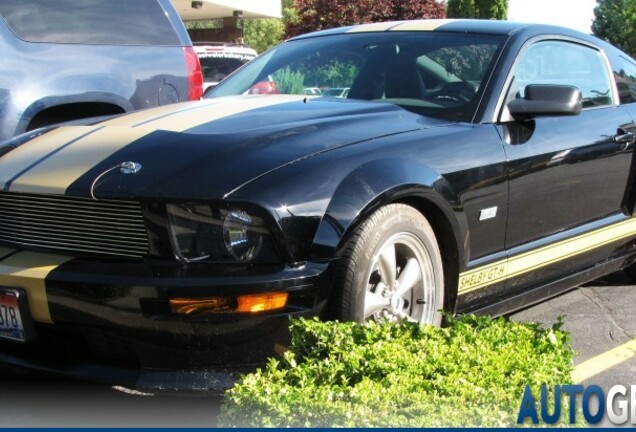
[[473, 167]]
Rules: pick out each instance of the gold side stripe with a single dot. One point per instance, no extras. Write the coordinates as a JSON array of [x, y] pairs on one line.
[[516, 265], [28, 270], [55, 174]]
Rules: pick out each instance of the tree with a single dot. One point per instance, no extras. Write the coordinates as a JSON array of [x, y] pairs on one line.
[[461, 8], [615, 21], [262, 34], [485, 9], [324, 14]]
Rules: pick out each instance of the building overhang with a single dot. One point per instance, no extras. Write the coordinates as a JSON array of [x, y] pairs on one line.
[[214, 9]]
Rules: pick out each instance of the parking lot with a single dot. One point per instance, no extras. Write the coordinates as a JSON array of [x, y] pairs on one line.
[[601, 320], [599, 317]]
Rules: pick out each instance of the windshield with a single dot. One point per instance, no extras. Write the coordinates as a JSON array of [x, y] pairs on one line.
[[432, 73]]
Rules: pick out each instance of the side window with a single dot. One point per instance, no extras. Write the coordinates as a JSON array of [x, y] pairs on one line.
[[626, 81], [565, 63]]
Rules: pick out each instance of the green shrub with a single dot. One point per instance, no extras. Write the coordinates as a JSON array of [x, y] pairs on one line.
[[289, 81], [471, 373]]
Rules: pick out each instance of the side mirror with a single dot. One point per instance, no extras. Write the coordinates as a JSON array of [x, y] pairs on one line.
[[547, 100]]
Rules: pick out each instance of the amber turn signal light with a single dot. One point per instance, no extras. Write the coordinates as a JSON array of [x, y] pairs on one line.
[[248, 303], [261, 302]]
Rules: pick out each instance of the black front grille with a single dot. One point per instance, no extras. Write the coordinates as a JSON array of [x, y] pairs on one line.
[[73, 225]]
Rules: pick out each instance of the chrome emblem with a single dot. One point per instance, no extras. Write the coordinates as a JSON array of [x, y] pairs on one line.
[[129, 167]]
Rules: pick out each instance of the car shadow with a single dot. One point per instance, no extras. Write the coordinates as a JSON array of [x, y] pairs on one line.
[[620, 278]]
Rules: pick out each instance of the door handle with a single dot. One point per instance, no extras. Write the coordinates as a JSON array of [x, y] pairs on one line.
[[625, 139]]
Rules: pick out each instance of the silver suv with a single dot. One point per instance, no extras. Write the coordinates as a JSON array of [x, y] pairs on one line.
[[64, 60]]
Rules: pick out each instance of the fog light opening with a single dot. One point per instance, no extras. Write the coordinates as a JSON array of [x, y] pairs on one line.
[[191, 306]]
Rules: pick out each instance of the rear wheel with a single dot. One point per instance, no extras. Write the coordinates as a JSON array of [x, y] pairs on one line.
[[391, 269]]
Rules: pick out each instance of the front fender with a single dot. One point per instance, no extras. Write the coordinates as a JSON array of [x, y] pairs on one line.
[[317, 202], [378, 183]]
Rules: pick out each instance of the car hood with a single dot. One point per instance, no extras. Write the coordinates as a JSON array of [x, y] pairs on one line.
[[202, 150]]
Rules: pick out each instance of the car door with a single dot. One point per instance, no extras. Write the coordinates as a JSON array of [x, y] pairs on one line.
[[625, 77], [567, 174]]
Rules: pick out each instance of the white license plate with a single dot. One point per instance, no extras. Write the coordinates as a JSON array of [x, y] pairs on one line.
[[11, 326]]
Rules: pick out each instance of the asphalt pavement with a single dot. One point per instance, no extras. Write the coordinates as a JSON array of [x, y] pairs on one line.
[[29, 400], [599, 316]]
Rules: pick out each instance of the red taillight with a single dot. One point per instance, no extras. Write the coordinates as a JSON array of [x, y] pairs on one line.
[[195, 77]]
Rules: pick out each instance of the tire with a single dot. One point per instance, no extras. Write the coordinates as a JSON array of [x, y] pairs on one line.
[[394, 246]]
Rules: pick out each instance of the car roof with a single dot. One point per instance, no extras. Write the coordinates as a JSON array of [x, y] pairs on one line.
[[496, 27]]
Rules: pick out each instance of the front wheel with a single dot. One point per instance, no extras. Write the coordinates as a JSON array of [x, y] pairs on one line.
[[391, 270]]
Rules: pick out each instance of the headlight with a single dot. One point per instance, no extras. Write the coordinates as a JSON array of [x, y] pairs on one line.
[[243, 239], [203, 233]]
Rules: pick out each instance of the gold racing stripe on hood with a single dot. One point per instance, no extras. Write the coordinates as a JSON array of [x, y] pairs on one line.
[[130, 120], [28, 270], [182, 116], [35, 150], [220, 108], [56, 173]]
